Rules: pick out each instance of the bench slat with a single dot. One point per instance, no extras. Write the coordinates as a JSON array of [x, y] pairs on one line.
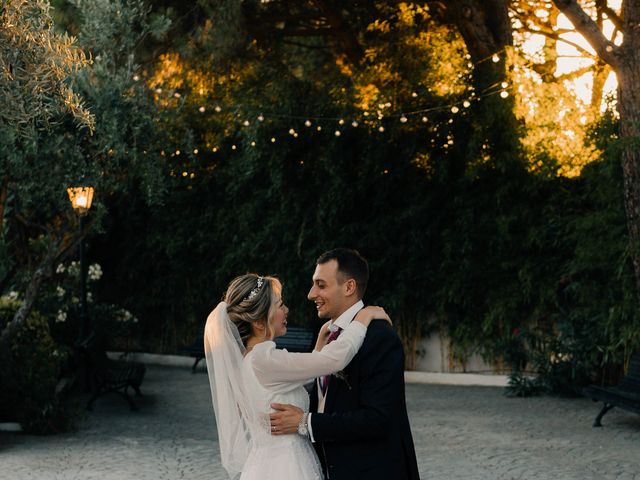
[[625, 395], [108, 375]]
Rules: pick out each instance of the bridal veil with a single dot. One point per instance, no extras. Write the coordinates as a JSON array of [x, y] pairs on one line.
[[224, 352]]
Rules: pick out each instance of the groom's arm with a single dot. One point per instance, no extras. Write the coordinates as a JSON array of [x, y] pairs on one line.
[[381, 375]]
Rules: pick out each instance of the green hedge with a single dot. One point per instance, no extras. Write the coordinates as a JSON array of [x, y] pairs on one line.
[[490, 252], [32, 368]]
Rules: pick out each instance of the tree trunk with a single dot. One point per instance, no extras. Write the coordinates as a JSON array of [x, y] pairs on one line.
[[486, 29], [342, 33], [629, 109], [4, 195], [44, 270]]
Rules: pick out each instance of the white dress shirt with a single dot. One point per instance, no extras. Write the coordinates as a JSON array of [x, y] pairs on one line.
[[342, 322]]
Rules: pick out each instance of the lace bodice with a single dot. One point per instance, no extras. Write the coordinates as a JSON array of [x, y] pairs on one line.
[[262, 397], [278, 376]]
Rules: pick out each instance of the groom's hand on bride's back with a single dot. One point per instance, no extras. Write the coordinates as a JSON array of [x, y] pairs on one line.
[[285, 419]]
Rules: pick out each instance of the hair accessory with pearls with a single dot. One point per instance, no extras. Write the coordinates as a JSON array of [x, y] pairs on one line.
[[257, 288]]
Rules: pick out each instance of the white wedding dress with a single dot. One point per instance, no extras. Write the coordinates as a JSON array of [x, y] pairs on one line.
[[242, 396]]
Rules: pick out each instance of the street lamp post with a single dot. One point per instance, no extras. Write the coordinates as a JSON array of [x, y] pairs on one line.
[[81, 198]]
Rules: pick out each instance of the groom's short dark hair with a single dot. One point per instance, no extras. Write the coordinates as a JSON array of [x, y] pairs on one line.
[[350, 264]]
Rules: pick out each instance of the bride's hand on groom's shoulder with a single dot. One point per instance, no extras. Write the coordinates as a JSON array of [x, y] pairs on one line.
[[367, 314]]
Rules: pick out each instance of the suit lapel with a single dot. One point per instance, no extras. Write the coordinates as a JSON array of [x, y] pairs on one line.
[[331, 394], [337, 386], [313, 397], [337, 383]]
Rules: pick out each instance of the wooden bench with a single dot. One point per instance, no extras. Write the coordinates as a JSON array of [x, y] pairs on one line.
[[195, 350], [106, 376], [297, 339], [625, 395]]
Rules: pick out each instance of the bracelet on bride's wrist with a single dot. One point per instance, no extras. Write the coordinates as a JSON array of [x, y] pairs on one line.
[[302, 426]]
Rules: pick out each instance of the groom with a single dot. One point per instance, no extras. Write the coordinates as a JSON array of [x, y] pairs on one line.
[[358, 420]]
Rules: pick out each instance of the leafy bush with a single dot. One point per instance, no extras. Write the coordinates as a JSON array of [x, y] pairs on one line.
[[59, 300], [521, 385], [32, 367]]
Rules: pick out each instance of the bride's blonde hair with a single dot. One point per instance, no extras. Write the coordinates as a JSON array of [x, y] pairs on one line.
[[250, 298]]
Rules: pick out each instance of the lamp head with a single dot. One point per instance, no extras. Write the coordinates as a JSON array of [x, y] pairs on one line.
[[81, 198]]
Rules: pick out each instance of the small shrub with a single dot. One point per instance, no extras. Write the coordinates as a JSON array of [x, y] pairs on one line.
[[521, 385], [32, 368]]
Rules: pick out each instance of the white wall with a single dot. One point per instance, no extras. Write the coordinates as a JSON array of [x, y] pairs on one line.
[[437, 358]]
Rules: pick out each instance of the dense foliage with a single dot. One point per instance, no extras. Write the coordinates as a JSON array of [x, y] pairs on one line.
[[32, 378], [220, 149], [503, 255]]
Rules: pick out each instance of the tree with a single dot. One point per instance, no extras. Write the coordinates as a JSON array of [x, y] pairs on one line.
[[35, 62], [624, 59], [121, 151]]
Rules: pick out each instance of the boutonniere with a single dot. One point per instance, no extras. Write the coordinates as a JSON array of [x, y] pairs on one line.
[[344, 377]]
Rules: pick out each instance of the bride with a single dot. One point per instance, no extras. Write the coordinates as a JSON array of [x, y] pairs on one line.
[[247, 374]]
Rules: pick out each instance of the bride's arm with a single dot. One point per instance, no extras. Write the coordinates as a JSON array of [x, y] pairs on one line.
[[323, 335], [272, 365], [364, 316]]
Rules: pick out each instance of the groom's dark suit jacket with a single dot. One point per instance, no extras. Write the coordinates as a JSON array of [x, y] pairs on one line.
[[364, 431]]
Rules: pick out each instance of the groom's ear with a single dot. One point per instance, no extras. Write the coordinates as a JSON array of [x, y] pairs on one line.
[[351, 287]]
